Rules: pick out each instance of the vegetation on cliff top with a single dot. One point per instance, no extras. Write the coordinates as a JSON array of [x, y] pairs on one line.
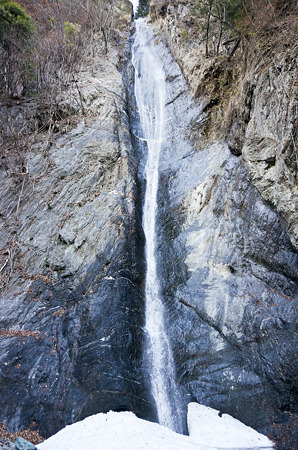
[[42, 42], [230, 38], [242, 18], [14, 19]]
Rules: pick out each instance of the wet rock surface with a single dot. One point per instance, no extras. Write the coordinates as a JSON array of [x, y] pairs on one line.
[[72, 310], [229, 275]]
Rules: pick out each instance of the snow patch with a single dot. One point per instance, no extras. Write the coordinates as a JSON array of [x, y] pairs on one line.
[[124, 431], [117, 431], [207, 427]]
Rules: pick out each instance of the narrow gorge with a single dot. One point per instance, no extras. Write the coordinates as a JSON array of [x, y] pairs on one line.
[[149, 237]]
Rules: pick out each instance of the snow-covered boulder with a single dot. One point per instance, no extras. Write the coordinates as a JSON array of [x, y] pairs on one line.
[[209, 427]]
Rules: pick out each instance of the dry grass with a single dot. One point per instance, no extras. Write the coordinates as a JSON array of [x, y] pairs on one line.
[[19, 333], [29, 434]]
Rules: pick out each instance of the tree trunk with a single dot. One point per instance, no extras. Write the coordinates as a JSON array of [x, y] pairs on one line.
[[208, 29]]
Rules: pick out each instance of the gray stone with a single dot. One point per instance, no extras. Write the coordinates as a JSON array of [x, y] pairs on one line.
[[80, 247], [22, 444], [227, 247]]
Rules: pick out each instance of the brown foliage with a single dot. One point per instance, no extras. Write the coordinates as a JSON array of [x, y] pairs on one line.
[[47, 61], [19, 333], [30, 434], [268, 16]]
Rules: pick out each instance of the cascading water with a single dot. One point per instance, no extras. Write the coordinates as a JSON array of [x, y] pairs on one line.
[[150, 91]]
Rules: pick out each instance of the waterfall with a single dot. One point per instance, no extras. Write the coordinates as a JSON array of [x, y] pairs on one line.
[[135, 4], [150, 91]]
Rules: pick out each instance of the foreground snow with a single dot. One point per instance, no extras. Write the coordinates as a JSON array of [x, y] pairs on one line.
[[206, 427], [117, 431], [124, 431]]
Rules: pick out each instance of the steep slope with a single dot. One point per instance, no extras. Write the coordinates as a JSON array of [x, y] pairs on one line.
[[72, 265], [72, 259], [249, 98], [228, 223]]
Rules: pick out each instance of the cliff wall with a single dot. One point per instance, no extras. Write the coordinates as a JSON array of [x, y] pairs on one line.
[[250, 97], [228, 222], [72, 246], [72, 255]]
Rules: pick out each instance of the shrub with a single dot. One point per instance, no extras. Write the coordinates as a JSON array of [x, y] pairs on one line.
[[16, 32], [70, 28], [14, 19]]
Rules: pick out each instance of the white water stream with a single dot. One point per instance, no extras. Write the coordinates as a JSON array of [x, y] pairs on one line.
[[150, 91], [135, 4]]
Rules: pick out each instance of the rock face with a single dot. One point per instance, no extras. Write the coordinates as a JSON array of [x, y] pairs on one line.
[[72, 310], [72, 258], [227, 221], [249, 100]]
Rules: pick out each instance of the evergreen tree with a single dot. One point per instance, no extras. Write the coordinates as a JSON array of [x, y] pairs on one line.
[[13, 19], [16, 31], [143, 9]]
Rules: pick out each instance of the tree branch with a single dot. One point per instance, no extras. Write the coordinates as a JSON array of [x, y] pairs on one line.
[[228, 25]]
